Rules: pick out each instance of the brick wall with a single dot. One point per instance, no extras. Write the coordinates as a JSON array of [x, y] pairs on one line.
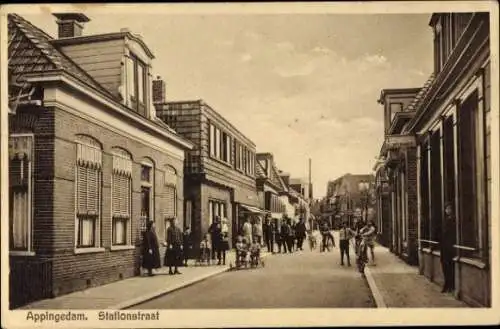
[[78, 271]]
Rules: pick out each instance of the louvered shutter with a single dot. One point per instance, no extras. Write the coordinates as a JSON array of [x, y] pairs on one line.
[[170, 201], [82, 189], [93, 190]]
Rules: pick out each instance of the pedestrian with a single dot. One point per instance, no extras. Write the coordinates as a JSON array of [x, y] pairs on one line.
[[345, 235], [300, 231], [284, 233], [247, 230], [257, 231], [187, 243], [278, 235], [447, 251], [291, 236], [150, 249], [174, 244], [268, 233], [224, 241], [326, 237], [368, 233], [215, 231]]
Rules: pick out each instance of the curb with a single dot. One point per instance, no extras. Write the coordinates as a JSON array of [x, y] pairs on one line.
[[379, 300], [166, 291]]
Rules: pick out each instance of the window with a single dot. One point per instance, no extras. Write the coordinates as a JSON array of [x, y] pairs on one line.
[[20, 191], [121, 195], [216, 208], [188, 213], [228, 150], [147, 199], [438, 51], [424, 191], [170, 193], [217, 143], [212, 140], [395, 108], [436, 187], [88, 192], [467, 171], [137, 84]]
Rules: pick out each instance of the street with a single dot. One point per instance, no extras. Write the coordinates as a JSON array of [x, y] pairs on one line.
[[300, 280]]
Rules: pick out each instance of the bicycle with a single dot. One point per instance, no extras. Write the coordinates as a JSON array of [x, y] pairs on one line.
[[361, 255]]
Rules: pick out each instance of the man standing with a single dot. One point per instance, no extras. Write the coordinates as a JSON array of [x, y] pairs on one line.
[[345, 235], [285, 232], [215, 231], [447, 251], [300, 232], [173, 255], [269, 234]]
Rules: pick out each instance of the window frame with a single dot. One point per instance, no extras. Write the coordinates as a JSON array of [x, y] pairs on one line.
[[30, 193], [126, 156], [97, 232], [133, 93], [150, 185]]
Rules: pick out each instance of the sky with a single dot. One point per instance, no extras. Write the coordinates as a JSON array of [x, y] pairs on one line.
[[298, 85]]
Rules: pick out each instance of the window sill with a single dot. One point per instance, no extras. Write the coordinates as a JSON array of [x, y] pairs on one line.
[[471, 261], [87, 250], [436, 253], [427, 250], [126, 247], [22, 253]]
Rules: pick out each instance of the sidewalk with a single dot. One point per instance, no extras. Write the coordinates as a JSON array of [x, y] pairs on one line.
[[397, 284], [132, 291]]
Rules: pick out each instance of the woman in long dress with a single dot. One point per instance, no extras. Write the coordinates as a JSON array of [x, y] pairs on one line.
[[150, 249]]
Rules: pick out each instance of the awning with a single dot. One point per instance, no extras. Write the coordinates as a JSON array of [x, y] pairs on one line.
[[253, 210]]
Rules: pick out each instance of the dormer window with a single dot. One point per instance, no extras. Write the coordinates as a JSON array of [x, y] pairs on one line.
[[137, 82]]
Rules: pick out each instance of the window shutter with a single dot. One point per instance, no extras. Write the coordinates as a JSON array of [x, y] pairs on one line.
[[82, 189], [169, 201], [93, 190]]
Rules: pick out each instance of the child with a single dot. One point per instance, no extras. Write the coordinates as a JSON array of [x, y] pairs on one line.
[[205, 251], [241, 249], [312, 239], [255, 252]]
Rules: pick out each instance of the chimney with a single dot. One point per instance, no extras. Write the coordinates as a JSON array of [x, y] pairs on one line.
[[159, 91], [70, 25]]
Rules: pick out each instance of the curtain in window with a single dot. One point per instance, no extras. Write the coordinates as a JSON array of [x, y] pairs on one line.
[[87, 231], [217, 143], [130, 77], [212, 140], [19, 219], [210, 212], [228, 149]]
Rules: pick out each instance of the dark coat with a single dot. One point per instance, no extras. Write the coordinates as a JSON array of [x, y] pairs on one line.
[[150, 242], [215, 231], [300, 230], [448, 239], [173, 256]]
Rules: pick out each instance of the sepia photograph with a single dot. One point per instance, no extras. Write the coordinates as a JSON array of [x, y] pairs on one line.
[[213, 165]]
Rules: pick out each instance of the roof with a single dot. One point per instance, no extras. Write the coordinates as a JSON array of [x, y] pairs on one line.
[[259, 170], [31, 51], [417, 101], [274, 178]]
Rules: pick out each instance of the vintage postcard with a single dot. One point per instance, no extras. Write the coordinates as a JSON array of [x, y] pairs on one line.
[[249, 164]]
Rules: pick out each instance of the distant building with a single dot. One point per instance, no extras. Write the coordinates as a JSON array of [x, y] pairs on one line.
[[219, 171], [89, 162]]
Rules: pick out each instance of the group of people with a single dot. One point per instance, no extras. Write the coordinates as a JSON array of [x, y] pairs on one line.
[[362, 230], [288, 236], [175, 243]]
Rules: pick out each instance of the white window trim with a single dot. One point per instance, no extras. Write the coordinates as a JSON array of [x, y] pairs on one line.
[[129, 244], [98, 243], [31, 188]]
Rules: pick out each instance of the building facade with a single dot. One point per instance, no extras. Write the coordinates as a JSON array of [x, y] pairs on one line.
[[219, 170], [270, 187], [347, 201], [89, 163], [450, 130]]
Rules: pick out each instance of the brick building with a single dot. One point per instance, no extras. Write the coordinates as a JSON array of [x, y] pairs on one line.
[[219, 170], [270, 186], [89, 162], [450, 127], [345, 197], [396, 178]]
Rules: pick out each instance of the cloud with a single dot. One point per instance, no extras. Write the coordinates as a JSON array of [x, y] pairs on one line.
[[375, 59], [322, 50]]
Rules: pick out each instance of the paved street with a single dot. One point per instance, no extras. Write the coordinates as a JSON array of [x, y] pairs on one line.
[[299, 280]]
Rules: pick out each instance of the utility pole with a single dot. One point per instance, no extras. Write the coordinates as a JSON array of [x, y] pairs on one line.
[[309, 196]]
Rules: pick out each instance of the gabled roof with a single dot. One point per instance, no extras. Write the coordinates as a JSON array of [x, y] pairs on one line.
[[30, 51], [274, 177], [259, 171]]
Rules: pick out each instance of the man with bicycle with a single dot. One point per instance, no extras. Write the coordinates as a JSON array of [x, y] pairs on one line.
[[367, 233]]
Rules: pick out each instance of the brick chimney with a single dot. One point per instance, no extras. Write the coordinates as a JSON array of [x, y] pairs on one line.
[[70, 25], [159, 91]]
